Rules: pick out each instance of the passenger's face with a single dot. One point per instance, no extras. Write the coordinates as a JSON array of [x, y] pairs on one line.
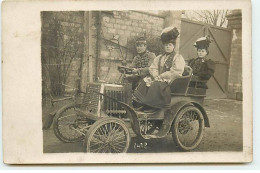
[[140, 48], [202, 53], [168, 47]]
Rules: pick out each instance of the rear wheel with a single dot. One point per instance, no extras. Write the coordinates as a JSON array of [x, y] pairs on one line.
[[68, 126], [188, 128], [107, 135]]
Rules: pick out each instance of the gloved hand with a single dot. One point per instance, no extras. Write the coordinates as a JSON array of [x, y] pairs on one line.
[[130, 77], [135, 71], [158, 78]]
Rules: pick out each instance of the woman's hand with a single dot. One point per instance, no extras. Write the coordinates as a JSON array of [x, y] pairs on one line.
[[158, 78], [135, 71]]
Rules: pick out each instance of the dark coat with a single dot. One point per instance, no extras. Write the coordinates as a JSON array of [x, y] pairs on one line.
[[202, 67]]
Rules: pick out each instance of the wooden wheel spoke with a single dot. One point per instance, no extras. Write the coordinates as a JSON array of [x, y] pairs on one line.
[[115, 149], [113, 129], [66, 123], [105, 149], [104, 130], [96, 140], [70, 115], [98, 149], [121, 142], [119, 136], [101, 132], [119, 146], [100, 135], [93, 145], [114, 133]]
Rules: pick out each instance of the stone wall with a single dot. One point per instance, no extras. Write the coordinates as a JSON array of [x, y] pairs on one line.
[[106, 55], [235, 68], [173, 18], [126, 25]]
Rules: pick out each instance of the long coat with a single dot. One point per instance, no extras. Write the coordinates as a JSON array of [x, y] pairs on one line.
[[167, 68]]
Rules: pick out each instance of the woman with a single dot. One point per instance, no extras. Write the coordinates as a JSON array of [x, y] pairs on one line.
[[154, 91], [202, 66]]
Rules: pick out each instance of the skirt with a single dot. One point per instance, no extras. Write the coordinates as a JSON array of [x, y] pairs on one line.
[[158, 95]]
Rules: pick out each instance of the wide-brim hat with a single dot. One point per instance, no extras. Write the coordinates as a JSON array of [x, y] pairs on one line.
[[203, 43], [169, 35]]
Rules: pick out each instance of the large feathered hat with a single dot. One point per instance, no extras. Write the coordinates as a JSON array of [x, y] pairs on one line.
[[203, 42], [169, 35]]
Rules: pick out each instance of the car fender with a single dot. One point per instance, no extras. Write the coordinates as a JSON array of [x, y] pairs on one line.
[[204, 113], [179, 105]]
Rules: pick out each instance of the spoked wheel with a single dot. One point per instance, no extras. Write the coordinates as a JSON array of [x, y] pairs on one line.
[[188, 128], [107, 135], [68, 126]]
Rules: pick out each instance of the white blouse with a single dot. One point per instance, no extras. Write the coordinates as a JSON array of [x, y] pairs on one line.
[[176, 70]]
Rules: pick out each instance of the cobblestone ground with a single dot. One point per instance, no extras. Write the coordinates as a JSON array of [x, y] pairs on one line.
[[225, 132]]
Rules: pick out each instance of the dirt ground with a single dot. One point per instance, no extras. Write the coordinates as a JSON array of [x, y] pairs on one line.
[[225, 132]]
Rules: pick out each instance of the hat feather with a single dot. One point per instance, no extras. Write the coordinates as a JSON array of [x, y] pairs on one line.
[[169, 34], [203, 42]]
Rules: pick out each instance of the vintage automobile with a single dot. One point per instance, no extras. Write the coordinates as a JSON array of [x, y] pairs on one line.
[[105, 118]]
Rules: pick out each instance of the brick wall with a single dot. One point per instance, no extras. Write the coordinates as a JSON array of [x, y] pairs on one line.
[[235, 68]]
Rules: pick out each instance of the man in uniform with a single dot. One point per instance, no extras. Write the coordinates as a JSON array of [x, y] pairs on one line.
[[141, 62]]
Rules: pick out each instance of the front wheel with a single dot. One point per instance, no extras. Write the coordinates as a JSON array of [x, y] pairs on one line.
[[107, 135], [188, 128]]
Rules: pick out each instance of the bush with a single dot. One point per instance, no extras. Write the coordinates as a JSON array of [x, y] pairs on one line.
[[154, 44]]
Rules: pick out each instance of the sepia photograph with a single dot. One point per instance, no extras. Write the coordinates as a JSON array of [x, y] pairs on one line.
[[142, 81], [101, 82]]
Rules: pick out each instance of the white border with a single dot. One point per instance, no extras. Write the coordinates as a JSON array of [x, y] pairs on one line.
[[22, 134]]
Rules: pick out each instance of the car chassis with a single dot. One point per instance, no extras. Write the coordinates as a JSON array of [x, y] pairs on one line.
[[101, 118]]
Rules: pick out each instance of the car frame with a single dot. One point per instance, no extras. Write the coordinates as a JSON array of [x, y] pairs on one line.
[[105, 116]]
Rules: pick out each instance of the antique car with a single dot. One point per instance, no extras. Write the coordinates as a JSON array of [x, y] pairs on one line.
[[105, 117]]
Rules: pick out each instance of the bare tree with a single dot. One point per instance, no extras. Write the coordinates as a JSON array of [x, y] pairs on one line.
[[60, 46], [213, 17]]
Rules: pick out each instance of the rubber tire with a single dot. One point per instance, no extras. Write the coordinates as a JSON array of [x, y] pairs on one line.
[[175, 128], [101, 122], [57, 133]]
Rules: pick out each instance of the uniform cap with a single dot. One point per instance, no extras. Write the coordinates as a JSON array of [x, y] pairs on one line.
[[140, 40]]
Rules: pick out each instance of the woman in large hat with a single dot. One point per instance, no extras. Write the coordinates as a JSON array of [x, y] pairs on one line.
[[154, 91]]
